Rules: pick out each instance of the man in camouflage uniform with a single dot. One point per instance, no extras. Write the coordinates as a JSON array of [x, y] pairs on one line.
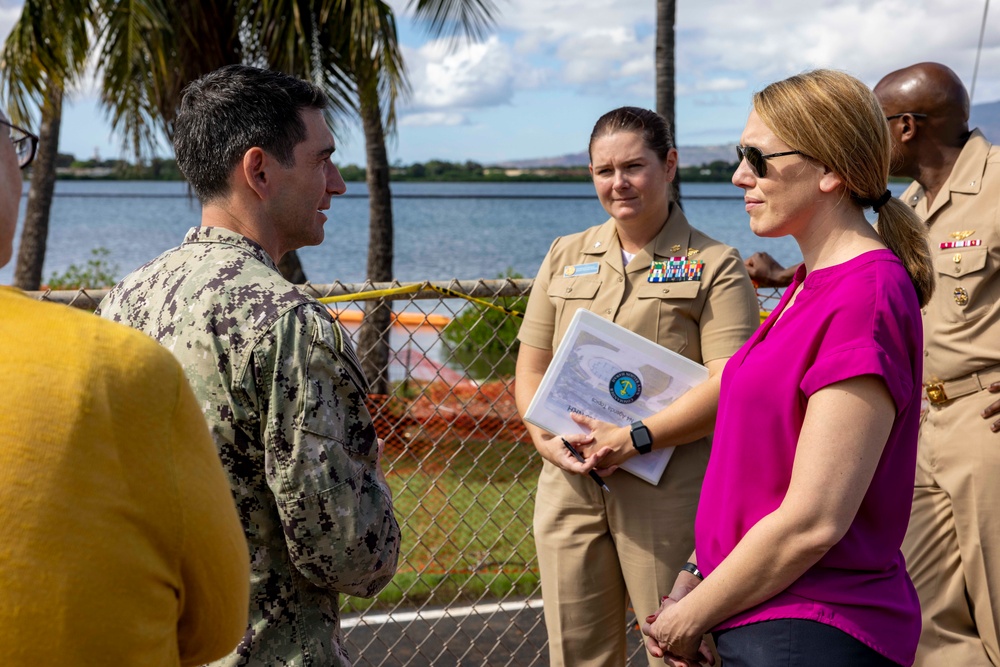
[[280, 385]]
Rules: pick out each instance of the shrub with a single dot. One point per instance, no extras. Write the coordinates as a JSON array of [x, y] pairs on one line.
[[484, 340], [97, 272]]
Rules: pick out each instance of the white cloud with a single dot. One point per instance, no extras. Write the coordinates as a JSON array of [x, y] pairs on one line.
[[726, 49], [433, 118], [469, 75], [716, 85], [866, 38]]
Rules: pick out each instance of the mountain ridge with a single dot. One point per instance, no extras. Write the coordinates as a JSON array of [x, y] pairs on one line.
[[985, 116]]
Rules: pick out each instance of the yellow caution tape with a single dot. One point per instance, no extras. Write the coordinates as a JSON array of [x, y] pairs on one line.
[[412, 289], [374, 294]]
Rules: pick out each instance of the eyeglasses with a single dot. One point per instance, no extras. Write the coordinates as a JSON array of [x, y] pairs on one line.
[[906, 113], [757, 160], [25, 143]]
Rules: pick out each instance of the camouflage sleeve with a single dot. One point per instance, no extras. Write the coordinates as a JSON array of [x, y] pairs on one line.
[[321, 459]]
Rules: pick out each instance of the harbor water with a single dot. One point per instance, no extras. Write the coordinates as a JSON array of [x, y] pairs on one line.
[[442, 230]]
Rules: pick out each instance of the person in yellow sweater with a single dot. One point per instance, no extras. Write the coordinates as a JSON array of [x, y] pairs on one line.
[[121, 543]]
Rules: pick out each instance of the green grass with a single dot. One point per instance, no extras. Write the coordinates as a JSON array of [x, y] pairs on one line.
[[465, 513]]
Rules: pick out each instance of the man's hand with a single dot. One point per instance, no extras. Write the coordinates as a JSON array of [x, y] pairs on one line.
[[993, 409], [765, 271]]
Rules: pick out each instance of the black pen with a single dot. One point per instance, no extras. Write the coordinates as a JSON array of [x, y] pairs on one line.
[[579, 457]]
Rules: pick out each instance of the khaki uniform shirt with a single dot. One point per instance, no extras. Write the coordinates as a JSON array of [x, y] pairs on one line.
[[283, 395], [962, 319], [702, 319]]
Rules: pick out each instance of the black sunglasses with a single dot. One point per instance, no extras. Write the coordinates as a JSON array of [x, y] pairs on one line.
[[25, 143], [906, 113], [757, 160]]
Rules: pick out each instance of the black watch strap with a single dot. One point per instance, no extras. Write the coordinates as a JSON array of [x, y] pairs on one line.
[[693, 569], [641, 439]]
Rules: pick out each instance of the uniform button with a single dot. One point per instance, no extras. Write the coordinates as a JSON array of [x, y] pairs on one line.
[[608, 311], [569, 289], [666, 290], [957, 268], [620, 279]]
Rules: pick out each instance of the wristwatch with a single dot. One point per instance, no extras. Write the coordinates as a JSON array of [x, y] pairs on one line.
[[641, 439], [693, 569]]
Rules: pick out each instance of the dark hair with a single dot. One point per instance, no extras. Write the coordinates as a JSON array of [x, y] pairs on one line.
[[653, 128], [836, 119], [231, 110]]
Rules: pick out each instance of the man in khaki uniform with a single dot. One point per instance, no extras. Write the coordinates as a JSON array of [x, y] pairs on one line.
[[952, 547]]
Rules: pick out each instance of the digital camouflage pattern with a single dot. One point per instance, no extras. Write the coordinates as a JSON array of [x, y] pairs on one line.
[[283, 394]]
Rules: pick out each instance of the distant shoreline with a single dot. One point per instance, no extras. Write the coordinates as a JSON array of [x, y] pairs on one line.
[[688, 175]]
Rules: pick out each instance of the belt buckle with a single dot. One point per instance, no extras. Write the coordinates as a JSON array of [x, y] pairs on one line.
[[935, 392]]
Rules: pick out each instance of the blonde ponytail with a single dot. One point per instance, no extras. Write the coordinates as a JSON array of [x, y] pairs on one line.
[[906, 236]]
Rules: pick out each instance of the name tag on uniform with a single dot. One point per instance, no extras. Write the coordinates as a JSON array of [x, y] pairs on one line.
[[675, 270], [581, 269]]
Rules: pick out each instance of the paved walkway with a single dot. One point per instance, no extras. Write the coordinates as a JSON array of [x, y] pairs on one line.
[[510, 634]]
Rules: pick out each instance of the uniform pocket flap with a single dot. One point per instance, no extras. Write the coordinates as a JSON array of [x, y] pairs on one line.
[[969, 260], [573, 288], [687, 289]]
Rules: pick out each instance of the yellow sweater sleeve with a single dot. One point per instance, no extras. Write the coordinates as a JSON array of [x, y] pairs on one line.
[[215, 567]]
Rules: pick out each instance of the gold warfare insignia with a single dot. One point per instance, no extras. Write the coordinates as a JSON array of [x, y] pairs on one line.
[[693, 251], [675, 248], [961, 296], [961, 236]]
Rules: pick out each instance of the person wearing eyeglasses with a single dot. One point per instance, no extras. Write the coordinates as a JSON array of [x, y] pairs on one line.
[[599, 550], [808, 490], [952, 546], [25, 143], [121, 544]]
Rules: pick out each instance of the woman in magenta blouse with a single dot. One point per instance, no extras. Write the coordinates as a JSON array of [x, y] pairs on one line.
[[808, 489]]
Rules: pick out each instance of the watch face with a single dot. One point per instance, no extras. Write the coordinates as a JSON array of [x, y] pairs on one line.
[[641, 439]]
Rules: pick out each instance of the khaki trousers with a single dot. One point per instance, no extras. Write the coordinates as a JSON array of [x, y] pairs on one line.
[[952, 545], [596, 551]]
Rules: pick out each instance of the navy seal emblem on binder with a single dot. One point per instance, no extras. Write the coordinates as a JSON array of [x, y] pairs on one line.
[[625, 387]]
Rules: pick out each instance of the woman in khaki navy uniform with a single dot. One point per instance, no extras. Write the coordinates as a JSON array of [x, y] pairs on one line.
[[597, 550]]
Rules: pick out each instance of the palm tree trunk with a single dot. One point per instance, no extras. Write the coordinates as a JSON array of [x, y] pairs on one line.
[[31, 252], [666, 11], [373, 336]]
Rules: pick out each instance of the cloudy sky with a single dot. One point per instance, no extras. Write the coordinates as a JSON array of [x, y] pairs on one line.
[[535, 87]]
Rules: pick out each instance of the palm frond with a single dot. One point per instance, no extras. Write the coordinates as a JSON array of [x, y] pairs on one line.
[[49, 43], [135, 55], [455, 19]]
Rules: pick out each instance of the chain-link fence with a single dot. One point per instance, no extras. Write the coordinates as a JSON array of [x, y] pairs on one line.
[[463, 474]]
